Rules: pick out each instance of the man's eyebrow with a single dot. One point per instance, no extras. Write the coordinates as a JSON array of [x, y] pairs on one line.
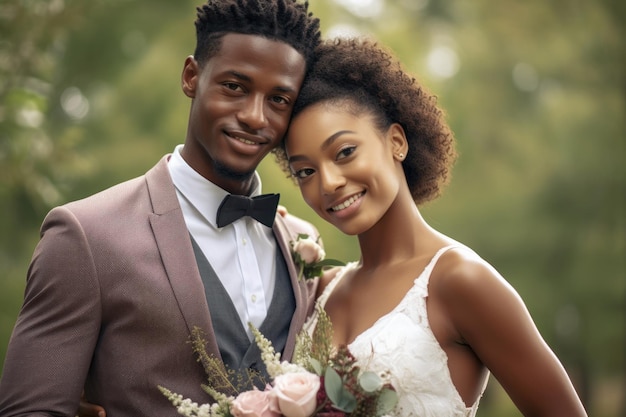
[[284, 89], [329, 141], [239, 75]]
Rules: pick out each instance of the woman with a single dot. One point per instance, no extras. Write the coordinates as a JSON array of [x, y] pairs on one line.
[[367, 145]]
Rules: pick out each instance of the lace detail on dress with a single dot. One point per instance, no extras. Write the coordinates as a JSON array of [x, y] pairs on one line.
[[402, 344]]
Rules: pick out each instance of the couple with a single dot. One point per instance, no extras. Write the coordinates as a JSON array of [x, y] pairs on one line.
[[119, 279]]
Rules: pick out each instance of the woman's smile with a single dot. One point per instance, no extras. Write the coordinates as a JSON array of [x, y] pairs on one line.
[[347, 203]]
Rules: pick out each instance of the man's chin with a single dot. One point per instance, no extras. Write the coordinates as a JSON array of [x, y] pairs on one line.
[[230, 174]]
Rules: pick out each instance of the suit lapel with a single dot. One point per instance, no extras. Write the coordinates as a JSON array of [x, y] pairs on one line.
[[174, 243], [300, 291]]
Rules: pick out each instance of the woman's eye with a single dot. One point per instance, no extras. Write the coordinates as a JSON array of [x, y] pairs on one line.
[[346, 152], [303, 173]]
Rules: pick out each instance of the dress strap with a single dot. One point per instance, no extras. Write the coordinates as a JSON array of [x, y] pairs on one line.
[[424, 278]]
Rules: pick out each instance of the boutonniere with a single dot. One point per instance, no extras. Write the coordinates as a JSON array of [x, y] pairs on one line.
[[310, 258]]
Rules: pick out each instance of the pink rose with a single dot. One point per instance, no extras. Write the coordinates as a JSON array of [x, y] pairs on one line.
[[255, 403], [297, 393], [309, 250]]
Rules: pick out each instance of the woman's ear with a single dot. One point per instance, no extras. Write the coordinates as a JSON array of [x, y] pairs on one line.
[[397, 141], [189, 77]]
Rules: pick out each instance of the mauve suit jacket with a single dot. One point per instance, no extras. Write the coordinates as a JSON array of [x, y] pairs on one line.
[[113, 291]]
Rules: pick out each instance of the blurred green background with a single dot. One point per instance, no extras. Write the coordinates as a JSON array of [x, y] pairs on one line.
[[90, 96]]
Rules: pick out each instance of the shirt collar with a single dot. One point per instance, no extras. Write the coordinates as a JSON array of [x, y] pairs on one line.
[[205, 196]]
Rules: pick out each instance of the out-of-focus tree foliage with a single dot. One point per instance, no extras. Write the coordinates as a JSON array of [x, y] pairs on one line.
[[90, 96]]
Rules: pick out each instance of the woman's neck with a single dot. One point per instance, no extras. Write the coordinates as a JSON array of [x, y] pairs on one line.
[[401, 234]]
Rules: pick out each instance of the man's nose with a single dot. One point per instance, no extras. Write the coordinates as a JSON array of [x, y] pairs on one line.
[[252, 114]]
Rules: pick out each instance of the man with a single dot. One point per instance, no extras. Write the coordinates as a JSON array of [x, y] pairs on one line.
[[120, 279]]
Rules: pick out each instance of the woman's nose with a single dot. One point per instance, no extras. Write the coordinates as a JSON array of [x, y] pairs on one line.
[[331, 179]]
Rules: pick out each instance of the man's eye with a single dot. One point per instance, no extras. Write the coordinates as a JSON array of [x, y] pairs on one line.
[[303, 173], [280, 100], [346, 152], [232, 86]]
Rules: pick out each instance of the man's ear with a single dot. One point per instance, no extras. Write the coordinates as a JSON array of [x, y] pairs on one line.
[[189, 77], [397, 141]]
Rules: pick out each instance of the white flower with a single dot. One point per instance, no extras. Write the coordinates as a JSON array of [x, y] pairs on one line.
[[297, 393], [255, 403], [309, 250]]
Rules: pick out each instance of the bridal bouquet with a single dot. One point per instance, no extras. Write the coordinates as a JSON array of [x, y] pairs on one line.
[[321, 381]]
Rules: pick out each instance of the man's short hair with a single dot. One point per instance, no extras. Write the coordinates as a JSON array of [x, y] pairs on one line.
[[282, 20]]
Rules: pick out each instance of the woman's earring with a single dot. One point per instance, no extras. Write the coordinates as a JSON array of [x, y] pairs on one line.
[[401, 156]]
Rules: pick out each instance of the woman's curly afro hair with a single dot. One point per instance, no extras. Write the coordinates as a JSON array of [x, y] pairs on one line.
[[361, 77]]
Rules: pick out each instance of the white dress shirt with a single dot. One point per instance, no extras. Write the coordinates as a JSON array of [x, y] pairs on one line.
[[243, 253]]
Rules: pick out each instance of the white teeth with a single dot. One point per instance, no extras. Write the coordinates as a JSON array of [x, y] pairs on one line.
[[246, 141], [346, 203]]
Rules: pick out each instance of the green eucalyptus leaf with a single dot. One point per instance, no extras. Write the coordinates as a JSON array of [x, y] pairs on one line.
[[316, 365], [341, 398], [387, 400], [370, 382]]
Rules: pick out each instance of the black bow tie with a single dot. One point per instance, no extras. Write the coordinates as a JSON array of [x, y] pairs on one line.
[[261, 208]]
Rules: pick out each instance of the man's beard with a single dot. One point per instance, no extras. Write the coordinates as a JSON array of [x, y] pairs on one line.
[[227, 173]]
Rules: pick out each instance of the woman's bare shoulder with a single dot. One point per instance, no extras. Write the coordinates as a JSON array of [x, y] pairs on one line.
[[461, 272]]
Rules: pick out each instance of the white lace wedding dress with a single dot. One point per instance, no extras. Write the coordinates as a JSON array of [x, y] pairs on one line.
[[402, 344]]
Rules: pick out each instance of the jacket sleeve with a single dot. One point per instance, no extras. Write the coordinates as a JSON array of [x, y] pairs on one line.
[[52, 344]]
